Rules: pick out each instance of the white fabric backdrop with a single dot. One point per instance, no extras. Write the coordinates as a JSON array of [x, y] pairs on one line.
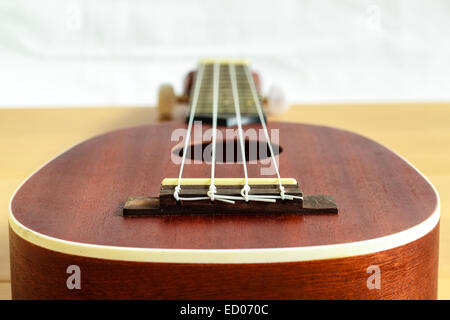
[[105, 52]]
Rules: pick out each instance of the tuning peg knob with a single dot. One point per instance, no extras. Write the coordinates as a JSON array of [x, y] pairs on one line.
[[275, 101], [166, 102]]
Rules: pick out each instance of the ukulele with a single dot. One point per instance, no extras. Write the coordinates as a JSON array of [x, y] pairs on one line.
[[225, 204]]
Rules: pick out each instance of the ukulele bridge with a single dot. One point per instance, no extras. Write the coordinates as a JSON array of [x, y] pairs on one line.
[[193, 191]]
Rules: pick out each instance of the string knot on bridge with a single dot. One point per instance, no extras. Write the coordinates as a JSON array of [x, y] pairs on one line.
[[282, 195], [212, 191], [176, 193], [244, 192]]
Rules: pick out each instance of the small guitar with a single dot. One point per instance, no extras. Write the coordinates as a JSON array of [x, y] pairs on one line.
[[225, 205]]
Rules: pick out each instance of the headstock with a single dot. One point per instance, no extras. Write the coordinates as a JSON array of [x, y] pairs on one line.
[[174, 106]]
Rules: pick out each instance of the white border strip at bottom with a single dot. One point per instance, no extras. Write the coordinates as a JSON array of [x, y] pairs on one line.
[[227, 255]]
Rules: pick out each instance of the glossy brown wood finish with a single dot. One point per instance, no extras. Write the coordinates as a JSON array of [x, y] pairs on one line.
[[407, 272], [77, 195]]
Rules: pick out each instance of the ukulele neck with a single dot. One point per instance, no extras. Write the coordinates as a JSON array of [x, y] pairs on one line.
[[233, 82]]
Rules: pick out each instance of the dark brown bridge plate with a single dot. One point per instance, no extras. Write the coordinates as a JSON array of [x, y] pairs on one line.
[[165, 204]]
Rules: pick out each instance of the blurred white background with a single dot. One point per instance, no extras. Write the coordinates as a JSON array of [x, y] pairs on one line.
[[117, 52]]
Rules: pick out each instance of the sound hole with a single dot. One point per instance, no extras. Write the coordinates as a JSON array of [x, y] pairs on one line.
[[229, 151]]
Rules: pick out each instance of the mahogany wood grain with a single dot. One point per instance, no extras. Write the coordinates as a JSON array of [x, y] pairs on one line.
[[75, 197], [407, 272]]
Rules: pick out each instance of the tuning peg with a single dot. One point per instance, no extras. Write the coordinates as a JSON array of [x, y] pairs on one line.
[[275, 101], [171, 106], [166, 102]]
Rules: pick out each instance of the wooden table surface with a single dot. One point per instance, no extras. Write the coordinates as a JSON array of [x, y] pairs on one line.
[[420, 132]]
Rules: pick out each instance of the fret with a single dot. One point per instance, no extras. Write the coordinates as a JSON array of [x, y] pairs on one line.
[[226, 103]]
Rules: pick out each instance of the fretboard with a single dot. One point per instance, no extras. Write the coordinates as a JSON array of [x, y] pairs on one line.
[[226, 106]]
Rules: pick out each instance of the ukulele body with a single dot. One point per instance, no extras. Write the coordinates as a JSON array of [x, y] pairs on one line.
[[383, 243]]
